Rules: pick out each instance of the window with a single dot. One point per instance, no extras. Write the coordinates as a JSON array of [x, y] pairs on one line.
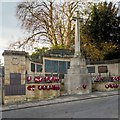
[[39, 68], [54, 66], [91, 69], [47, 65], [32, 67], [62, 67]]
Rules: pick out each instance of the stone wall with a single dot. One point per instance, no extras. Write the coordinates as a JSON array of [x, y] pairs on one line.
[[112, 65], [14, 62], [41, 94], [14, 99], [106, 86], [19, 62]]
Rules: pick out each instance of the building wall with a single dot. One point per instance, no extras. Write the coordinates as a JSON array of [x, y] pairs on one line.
[[14, 66], [21, 64], [18, 62], [112, 66], [113, 69]]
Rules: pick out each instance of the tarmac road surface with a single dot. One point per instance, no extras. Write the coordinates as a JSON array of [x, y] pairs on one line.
[[104, 107]]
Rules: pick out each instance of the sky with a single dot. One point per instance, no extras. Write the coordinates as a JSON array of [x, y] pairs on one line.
[[10, 30]]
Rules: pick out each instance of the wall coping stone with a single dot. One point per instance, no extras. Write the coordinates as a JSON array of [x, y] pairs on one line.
[[13, 52]]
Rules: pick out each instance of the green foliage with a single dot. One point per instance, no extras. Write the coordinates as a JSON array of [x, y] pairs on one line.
[[101, 32], [102, 21], [39, 52], [58, 46]]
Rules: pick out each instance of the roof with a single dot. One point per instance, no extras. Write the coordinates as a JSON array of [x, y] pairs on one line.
[[103, 62], [59, 53], [13, 52]]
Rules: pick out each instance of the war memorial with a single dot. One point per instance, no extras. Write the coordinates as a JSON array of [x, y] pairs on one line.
[[27, 80]]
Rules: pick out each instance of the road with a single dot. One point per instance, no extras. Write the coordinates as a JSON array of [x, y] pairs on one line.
[[104, 107]]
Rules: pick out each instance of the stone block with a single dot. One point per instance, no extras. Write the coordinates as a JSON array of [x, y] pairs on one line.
[[77, 80], [14, 99]]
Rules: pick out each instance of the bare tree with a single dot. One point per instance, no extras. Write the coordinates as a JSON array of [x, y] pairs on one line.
[[46, 21]]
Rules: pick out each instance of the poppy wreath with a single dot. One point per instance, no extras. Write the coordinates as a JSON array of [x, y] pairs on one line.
[[49, 79], [31, 88], [115, 78], [98, 78], [111, 86], [38, 79], [29, 78], [57, 79], [40, 87], [54, 79], [48, 87], [107, 86], [41, 79], [44, 87], [118, 77], [56, 87], [53, 87], [46, 78], [116, 85], [84, 86]]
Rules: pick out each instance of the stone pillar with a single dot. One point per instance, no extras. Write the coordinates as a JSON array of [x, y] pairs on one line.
[[14, 63], [77, 80], [77, 36]]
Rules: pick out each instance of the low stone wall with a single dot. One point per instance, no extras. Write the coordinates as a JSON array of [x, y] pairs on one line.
[[36, 94], [14, 99], [106, 86]]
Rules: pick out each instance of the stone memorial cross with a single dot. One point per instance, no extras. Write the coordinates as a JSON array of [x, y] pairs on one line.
[[77, 34]]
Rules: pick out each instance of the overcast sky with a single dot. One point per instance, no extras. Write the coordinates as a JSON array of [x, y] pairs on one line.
[[9, 26], [10, 29]]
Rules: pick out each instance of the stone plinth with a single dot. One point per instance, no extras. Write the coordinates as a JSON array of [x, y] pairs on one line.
[[77, 80]]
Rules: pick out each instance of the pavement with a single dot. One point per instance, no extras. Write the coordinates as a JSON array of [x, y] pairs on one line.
[[61, 99]]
